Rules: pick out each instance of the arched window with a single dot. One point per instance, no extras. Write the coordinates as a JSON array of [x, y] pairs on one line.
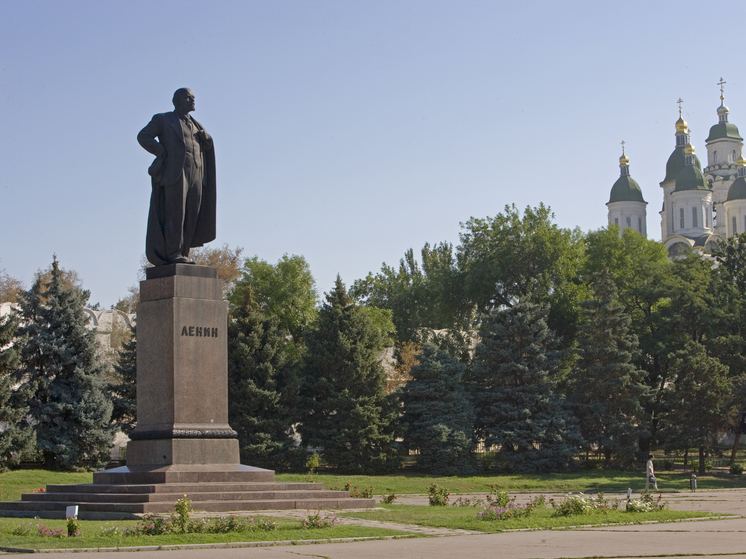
[[714, 157], [629, 222], [735, 226], [733, 156], [694, 217], [681, 218], [639, 224]]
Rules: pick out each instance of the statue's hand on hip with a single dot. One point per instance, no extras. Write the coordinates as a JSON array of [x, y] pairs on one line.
[[156, 168]]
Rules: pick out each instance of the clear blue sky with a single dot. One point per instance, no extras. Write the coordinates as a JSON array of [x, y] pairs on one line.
[[345, 131]]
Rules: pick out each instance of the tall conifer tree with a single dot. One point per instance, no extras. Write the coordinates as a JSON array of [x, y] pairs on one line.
[[123, 391], [437, 414], [17, 437], [346, 408], [262, 387], [605, 387], [69, 406], [514, 382]]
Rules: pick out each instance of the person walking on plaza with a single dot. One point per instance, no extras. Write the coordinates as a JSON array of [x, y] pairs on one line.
[[650, 474]]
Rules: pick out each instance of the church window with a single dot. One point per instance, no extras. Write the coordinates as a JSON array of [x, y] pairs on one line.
[[694, 217], [707, 219], [639, 224], [735, 226], [616, 221], [733, 156], [714, 157], [629, 222], [681, 218]]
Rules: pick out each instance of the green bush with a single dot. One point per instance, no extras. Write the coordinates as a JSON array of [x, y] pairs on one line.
[[736, 469], [438, 496]]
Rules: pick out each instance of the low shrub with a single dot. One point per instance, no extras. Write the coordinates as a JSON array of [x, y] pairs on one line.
[[503, 513], [580, 504], [181, 515], [366, 493], [646, 503], [73, 527], [388, 499], [30, 529], [438, 496], [497, 498], [736, 469], [316, 521], [466, 502]]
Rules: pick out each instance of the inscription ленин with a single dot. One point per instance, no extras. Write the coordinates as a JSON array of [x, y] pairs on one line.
[[199, 331]]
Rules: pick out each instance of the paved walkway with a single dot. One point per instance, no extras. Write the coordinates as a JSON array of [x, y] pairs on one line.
[[721, 538]]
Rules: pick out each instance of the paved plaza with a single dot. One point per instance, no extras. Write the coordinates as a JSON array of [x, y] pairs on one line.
[[704, 538]]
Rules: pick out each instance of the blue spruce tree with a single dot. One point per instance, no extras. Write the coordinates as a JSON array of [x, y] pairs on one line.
[[69, 407], [437, 414], [514, 387]]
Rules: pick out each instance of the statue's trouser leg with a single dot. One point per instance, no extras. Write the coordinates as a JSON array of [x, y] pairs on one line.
[[175, 197], [192, 203]]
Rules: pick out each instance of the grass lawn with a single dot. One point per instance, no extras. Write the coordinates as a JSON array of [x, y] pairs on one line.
[[465, 518], [92, 536], [13, 483], [586, 482]]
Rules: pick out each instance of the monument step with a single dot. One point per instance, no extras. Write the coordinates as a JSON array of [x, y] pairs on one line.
[[183, 487], [170, 498], [123, 476]]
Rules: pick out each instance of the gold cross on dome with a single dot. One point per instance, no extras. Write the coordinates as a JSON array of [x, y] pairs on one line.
[[680, 101], [720, 83], [622, 147]]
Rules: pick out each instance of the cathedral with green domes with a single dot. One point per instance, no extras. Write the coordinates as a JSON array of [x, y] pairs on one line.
[[700, 206]]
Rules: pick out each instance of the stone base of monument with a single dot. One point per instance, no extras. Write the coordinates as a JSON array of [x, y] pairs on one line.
[[183, 444], [128, 493]]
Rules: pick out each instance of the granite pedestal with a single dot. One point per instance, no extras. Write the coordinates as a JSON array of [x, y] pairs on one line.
[[183, 443]]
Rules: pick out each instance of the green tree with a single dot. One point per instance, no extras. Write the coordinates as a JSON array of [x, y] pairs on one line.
[[511, 256], [123, 387], [437, 414], [10, 287], [346, 410], [286, 290], [69, 406], [513, 382], [429, 296], [17, 437], [698, 405], [728, 344], [262, 388], [225, 260], [644, 279], [606, 388]]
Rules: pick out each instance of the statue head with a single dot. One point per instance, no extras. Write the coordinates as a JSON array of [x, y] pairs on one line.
[[183, 100]]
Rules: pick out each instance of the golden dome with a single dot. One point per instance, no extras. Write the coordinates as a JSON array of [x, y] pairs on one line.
[[681, 125], [689, 149], [624, 160], [741, 161]]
